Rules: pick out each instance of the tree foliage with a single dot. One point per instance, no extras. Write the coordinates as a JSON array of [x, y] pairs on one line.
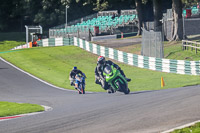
[[15, 14], [50, 13]]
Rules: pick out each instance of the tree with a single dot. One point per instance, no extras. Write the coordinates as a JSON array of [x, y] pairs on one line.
[[157, 7], [138, 4], [177, 18]]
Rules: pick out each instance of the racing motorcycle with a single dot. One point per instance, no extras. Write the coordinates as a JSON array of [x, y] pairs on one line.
[[115, 79], [80, 83]]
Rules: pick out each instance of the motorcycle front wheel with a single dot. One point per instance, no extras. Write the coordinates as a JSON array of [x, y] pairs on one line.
[[123, 88]]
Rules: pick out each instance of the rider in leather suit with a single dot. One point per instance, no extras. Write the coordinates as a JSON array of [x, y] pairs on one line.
[[72, 75], [99, 78]]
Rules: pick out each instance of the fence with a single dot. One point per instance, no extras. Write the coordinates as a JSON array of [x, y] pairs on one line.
[[107, 13], [128, 12], [87, 26], [152, 63], [152, 44], [193, 45], [49, 42]]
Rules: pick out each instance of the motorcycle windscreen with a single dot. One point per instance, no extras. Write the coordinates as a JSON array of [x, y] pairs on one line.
[[107, 69]]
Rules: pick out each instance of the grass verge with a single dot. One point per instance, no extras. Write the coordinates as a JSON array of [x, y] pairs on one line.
[[7, 45], [53, 64], [172, 50], [11, 108], [191, 129]]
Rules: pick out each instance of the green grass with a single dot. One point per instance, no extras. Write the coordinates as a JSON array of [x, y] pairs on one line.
[[54, 64], [9, 40], [7, 45], [192, 129], [11, 108], [172, 50]]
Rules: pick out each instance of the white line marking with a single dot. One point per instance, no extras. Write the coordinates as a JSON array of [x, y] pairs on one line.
[[46, 108], [181, 127], [38, 78]]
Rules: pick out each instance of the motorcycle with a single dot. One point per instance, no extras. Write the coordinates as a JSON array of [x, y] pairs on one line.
[[80, 83], [115, 79]]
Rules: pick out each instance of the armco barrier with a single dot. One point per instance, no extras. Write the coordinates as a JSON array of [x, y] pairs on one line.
[[49, 42], [152, 63], [55, 42]]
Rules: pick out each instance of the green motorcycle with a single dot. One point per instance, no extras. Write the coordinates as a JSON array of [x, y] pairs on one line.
[[115, 79]]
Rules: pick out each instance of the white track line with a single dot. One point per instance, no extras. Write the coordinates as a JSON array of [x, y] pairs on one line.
[[37, 77], [46, 108], [181, 127]]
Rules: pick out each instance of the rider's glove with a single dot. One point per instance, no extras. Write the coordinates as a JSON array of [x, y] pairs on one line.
[[117, 67], [104, 80]]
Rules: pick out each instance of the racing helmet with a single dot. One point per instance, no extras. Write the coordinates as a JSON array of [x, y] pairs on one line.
[[101, 60], [74, 68]]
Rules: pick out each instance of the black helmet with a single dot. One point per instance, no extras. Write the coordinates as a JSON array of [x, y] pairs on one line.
[[101, 60]]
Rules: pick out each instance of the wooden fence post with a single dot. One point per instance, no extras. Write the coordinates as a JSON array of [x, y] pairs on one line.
[[196, 48]]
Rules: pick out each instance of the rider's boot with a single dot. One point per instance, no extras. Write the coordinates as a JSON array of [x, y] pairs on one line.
[[72, 83], [127, 79], [109, 91]]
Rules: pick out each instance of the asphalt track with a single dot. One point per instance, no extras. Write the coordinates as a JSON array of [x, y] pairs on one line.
[[116, 43], [138, 112]]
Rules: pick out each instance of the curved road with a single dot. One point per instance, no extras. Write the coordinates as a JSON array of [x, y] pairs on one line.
[[138, 112]]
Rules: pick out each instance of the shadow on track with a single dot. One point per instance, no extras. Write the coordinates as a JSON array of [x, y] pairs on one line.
[[3, 68], [139, 92]]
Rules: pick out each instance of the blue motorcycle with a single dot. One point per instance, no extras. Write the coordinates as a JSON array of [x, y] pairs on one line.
[[80, 83]]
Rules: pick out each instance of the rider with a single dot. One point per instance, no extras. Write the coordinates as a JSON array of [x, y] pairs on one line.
[[99, 78], [72, 75]]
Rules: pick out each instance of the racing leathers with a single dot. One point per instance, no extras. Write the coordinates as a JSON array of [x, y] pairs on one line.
[[99, 78], [73, 74]]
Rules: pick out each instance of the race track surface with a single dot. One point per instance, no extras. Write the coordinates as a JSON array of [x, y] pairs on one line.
[[116, 43], [138, 112]]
